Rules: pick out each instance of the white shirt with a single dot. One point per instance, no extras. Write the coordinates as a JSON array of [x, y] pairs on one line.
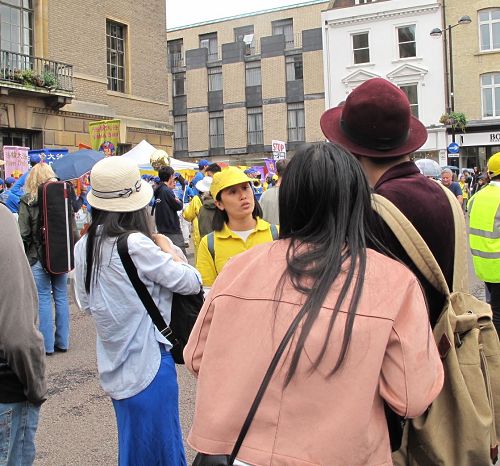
[[128, 353]]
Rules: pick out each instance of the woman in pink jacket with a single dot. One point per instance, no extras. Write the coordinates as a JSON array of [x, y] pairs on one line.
[[364, 337]]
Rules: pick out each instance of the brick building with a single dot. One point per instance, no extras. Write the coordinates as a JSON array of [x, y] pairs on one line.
[[238, 83], [476, 69], [64, 64]]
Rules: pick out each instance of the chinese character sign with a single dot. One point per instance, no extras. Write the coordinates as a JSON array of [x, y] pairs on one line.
[[105, 136], [16, 160], [279, 150]]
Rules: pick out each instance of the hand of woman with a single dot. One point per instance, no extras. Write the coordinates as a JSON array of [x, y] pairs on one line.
[[166, 246]]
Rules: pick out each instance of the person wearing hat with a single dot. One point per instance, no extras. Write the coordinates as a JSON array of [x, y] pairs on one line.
[[202, 167], [237, 223], [135, 366], [376, 125], [17, 189], [9, 182], [484, 235]]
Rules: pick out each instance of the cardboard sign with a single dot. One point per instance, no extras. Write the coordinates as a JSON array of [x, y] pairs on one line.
[[16, 160], [279, 150]]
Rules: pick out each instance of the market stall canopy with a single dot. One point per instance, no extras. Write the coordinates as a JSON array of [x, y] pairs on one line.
[[141, 155]]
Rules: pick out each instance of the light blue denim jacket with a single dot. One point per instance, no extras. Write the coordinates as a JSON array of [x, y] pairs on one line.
[[128, 353]]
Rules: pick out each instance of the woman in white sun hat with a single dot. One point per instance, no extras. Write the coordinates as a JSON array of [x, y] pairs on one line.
[[135, 366]]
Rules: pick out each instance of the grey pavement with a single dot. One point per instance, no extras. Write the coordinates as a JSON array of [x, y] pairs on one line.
[[77, 423]]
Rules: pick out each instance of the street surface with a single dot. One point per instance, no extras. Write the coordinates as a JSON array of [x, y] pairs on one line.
[[77, 422]]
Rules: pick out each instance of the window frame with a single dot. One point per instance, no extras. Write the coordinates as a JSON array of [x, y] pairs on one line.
[[182, 141], [494, 88], [215, 82], [414, 106], [249, 67], [400, 43], [291, 65], [255, 137], [490, 22], [25, 13], [296, 114], [354, 50], [280, 26], [120, 82], [176, 78], [216, 121], [213, 45], [175, 58]]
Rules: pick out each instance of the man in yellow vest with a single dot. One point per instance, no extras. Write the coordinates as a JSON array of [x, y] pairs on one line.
[[484, 235]]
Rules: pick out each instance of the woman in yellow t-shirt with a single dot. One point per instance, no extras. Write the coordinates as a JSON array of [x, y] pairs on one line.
[[237, 223], [465, 191]]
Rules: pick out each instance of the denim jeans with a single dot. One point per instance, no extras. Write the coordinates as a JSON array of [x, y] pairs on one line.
[[18, 423], [58, 285]]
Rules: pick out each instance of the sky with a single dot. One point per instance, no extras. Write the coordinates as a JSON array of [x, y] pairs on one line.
[[184, 12]]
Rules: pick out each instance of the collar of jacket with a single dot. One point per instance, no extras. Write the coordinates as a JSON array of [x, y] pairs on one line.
[[226, 232]]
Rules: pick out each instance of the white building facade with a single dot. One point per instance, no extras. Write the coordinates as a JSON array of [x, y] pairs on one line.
[[389, 39]]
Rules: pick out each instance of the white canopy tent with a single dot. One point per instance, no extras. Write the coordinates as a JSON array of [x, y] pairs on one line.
[[141, 155]]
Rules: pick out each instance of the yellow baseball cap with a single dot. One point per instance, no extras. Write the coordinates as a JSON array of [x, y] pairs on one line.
[[494, 165], [230, 176]]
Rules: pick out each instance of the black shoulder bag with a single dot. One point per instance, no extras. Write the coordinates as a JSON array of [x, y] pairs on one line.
[[185, 308], [203, 459]]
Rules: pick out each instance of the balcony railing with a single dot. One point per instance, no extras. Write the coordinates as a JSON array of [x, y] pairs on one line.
[[176, 60], [214, 54], [35, 72], [293, 42]]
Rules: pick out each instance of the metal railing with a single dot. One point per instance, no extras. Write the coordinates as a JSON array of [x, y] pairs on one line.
[[253, 48], [32, 72], [214, 54], [255, 137], [293, 42], [176, 60]]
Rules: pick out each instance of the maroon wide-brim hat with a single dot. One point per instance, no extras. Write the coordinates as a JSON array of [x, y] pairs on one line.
[[375, 121]]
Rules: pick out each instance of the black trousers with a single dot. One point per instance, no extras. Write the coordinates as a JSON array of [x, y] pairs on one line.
[[494, 290]]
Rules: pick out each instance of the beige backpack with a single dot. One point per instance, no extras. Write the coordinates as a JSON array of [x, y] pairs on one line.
[[461, 426]]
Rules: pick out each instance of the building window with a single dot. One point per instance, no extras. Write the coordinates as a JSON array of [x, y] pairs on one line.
[[209, 42], [178, 84], [216, 129], [115, 39], [215, 79], [411, 90], [180, 133], [285, 27], [406, 41], [241, 32], [296, 122], [294, 68], [175, 53], [16, 26], [360, 48], [362, 2], [490, 92], [489, 29], [255, 129], [252, 73]]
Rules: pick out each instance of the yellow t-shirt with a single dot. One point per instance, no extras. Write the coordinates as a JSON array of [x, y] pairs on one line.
[[228, 244]]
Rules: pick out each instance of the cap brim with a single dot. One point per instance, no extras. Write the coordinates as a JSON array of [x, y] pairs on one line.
[[135, 201], [330, 125]]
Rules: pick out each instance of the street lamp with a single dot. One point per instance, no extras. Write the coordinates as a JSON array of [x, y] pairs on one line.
[[448, 46]]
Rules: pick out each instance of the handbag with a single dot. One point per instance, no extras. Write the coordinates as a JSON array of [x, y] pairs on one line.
[[185, 308], [203, 459]]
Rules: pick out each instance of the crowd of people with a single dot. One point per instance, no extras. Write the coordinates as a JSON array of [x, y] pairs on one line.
[[315, 342]]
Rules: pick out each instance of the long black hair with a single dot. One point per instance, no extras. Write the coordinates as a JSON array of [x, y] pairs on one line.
[[220, 216], [325, 211], [105, 225]]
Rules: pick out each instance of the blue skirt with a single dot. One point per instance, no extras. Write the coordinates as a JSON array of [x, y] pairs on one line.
[[149, 431]]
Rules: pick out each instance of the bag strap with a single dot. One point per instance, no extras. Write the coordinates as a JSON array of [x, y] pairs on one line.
[[412, 242], [460, 266], [211, 244], [265, 382], [274, 232], [141, 289]]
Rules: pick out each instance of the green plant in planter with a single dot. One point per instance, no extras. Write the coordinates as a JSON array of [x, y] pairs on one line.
[[457, 120], [17, 76], [49, 80], [28, 77]]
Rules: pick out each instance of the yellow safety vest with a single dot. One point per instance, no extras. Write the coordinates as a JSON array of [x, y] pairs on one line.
[[484, 234]]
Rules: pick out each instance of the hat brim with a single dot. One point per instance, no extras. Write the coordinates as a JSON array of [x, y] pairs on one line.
[[136, 201], [330, 125], [203, 185]]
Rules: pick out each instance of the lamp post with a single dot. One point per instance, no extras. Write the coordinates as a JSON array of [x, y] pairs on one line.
[[448, 46]]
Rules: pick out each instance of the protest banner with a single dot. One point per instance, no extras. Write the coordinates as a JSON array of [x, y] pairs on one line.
[[16, 160], [279, 149], [105, 136]]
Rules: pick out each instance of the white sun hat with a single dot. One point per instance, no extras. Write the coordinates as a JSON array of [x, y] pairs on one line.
[[204, 184], [116, 186]]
